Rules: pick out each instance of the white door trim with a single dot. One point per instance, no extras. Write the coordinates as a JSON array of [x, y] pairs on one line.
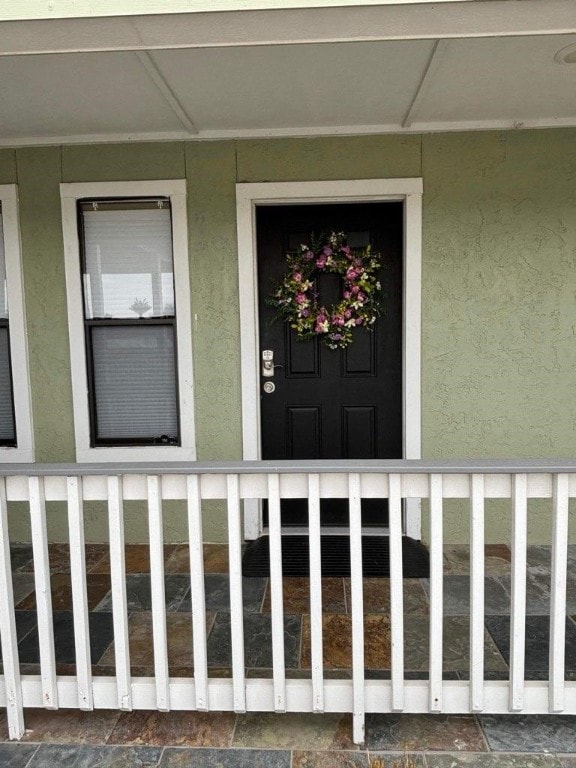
[[248, 197]]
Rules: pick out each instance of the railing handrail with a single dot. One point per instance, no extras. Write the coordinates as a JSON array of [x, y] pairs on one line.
[[239, 467]]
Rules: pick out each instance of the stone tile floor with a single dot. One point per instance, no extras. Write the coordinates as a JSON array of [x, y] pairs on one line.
[[107, 738]]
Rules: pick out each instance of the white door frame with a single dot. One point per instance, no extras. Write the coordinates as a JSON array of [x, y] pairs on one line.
[[248, 197]]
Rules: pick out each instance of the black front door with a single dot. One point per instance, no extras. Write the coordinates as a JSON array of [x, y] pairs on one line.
[[326, 403]]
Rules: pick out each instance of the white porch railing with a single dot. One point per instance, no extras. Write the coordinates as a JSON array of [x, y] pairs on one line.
[[233, 482]]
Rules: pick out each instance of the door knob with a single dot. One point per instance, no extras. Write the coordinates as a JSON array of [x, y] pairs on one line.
[[267, 363]]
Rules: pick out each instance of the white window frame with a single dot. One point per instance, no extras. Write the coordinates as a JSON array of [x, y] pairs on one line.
[[175, 190], [24, 450]]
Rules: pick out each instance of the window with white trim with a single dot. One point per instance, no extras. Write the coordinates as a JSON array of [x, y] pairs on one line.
[[129, 319], [16, 442]]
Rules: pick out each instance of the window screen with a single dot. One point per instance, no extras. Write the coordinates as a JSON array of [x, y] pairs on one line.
[[129, 311]]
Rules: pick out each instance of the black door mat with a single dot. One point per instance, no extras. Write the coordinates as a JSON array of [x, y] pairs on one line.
[[335, 556]]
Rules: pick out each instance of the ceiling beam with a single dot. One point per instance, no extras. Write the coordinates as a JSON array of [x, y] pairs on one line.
[[432, 66], [13, 10], [472, 19], [166, 91]]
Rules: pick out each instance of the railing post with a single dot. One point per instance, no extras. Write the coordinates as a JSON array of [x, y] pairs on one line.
[[436, 593], [558, 592], [79, 593], [8, 635], [518, 605], [477, 593], [43, 592], [356, 591]]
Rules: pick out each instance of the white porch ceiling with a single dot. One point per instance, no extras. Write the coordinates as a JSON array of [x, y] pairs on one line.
[[134, 90]]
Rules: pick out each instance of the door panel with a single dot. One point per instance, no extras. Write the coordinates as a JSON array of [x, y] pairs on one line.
[[332, 404]]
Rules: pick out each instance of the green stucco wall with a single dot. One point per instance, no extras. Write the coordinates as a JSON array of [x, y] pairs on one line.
[[499, 288]]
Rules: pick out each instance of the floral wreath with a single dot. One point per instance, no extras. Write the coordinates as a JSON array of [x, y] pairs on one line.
[[361, 303]]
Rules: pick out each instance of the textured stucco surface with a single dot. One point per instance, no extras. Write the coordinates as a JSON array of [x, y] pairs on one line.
[[499, 290]]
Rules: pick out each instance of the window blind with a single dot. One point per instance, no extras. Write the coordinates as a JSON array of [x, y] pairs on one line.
[[135, 382], [7, 426], [3, 288], [128, 267]]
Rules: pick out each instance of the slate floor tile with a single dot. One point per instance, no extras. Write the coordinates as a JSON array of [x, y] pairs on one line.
[[529, 733], [217, 590], [22, 586], [25, 624], [537, 632], [21, 557], [215, 559], [337, 641], [456, 646], [257, 638], [376, 593], [16, 755], [304, 731], [179, 637], [69, 726], [59, 555], [567, 761], [396, 760], [496, 560], [139, 594], [73, 756], [101, 635], [136, 558], [296, 595], [190, 729], [329, 759], [445, 733], [457, 596], [97, 587], [487, 760], [229, 758]]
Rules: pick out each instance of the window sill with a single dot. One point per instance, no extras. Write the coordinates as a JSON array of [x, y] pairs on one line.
[[16, 455], [136, 453]]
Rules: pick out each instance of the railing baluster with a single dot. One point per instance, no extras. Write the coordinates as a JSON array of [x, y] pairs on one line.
[[79, 592], [436, 593], [316, 628], [236, 604], [8, 635], [157, 587], [356, 591], [396, 591], [197, 591], [518, 605], [558, 592], [43, 592], [477, 593], [119, 600], [277, 618]]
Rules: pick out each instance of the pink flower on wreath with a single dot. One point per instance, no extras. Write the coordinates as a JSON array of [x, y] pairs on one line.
[[359, 320], [338, 320], [309, 255], [301, 298], [357, 262], [347, 294], [321, 324], [305, 312], [355, 289], [297, 277], [351, 274], [347, 314], [347, 250], [335, 336], [327, 251], [321, 262]]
